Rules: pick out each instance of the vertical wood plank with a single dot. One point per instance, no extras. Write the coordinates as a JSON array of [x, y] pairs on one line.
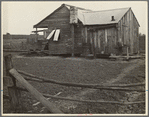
[[110, 39], [95, 42], [115, 36], [131, 32], [114, 41], [103, 39], [92, 38], [94, 35], [99, 33], [91, 41], [85, 35], [138, 38], [133, 41], [125, 29], [72, 37], [129, 29], [118, 31], [106, 40], [82, 39]]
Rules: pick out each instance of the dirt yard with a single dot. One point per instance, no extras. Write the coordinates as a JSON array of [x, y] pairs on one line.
[[80, 70]]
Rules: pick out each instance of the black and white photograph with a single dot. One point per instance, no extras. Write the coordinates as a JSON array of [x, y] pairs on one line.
[[74, 58]]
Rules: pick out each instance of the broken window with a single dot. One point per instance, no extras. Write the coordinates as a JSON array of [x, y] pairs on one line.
[[56, 36], [51, 34]]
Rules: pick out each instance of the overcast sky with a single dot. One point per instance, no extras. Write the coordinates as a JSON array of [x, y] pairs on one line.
[[19, 17]]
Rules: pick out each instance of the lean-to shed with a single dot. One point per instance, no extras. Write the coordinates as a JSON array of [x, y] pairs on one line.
[[74, 30]]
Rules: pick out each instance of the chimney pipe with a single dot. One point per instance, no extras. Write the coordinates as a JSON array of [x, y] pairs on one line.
[[112, 18]]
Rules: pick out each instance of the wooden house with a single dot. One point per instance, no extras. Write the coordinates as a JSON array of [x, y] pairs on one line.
[[75, 30]]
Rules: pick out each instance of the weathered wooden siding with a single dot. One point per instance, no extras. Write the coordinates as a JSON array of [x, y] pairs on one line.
[[98, 39], [103, 40], [60, 20], [128, 28], [111, 41], [78, 39]]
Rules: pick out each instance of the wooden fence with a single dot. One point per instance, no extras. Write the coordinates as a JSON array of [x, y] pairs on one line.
[[14, 91]]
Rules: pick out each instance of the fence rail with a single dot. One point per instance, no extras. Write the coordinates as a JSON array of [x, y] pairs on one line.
[[14, 50], [16, 75], [94, 86]]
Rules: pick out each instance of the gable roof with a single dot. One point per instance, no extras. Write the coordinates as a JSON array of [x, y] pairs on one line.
[[63, 5], [89, 17], [36, 25], [101, 17]]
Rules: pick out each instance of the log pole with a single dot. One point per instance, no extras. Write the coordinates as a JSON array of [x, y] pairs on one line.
[[50, 106]]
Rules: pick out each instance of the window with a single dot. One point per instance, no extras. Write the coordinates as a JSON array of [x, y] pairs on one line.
[[51, 34], [56, 35]]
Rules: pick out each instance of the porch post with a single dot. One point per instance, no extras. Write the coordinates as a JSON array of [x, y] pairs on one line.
[[36, 35]]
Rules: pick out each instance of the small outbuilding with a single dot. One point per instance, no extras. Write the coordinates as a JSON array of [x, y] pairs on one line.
[[74, 30]]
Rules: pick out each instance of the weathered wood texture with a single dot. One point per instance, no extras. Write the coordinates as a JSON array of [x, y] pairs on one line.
[[72, 38], [14, 94], [128, 31], [60, 20], [9, 65], [103, 40], [15, 98], [73, 15], [78, 39], [50, 106]]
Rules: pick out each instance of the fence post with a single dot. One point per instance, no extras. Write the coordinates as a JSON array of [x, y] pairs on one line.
[[9, 65], [14, 93]]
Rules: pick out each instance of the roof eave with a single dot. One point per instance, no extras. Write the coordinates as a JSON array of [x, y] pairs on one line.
[[113, 24], [133, 14], [35, 26], [124, 15], [136, 18]]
